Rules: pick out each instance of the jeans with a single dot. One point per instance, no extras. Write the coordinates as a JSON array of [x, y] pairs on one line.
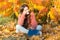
[[22, 29]]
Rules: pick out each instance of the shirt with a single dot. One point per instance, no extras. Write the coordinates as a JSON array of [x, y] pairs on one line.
[[33, 23]]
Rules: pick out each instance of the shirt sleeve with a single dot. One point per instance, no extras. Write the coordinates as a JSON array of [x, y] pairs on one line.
[[21, 19], [33, 20]]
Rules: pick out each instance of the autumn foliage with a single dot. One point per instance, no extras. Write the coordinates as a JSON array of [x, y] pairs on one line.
[[47, 14]]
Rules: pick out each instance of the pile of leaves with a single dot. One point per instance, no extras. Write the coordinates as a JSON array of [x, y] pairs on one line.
[[7, 31]]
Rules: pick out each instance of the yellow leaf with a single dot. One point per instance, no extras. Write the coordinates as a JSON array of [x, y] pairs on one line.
[[38, 7], [16, 13], [51, 13]]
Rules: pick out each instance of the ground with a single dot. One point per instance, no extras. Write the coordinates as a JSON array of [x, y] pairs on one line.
[[7, 32]]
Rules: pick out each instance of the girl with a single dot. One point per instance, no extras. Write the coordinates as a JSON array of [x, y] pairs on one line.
[[27, 22]]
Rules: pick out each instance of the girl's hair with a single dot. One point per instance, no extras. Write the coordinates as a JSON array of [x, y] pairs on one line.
[[25, 24], [22, 7]]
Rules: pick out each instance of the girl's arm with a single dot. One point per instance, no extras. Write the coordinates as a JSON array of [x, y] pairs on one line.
[[21, 19], [33, 20]]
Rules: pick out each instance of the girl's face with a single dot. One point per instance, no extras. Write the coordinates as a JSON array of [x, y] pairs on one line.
[[26, 10]]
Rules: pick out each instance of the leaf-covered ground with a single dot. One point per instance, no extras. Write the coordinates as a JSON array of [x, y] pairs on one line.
[[7, 31]]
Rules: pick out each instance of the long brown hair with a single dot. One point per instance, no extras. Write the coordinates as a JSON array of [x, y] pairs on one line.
[[25, 24]]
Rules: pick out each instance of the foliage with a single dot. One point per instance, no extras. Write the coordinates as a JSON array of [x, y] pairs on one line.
[[47, 13]]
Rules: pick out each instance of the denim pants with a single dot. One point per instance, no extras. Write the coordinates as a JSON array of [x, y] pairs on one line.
[[22, 29]]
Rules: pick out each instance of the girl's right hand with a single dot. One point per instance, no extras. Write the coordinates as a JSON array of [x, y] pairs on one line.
[[24, 12]]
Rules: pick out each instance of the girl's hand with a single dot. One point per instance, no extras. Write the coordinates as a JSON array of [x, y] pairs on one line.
[[26, 12]]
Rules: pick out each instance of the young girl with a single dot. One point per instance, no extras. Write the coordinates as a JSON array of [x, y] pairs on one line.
[[27, 22]]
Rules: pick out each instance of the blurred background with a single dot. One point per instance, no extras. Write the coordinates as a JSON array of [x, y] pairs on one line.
[[47, 13]]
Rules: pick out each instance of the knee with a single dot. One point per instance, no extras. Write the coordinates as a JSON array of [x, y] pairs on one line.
[[39, 27], [17, 27]]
